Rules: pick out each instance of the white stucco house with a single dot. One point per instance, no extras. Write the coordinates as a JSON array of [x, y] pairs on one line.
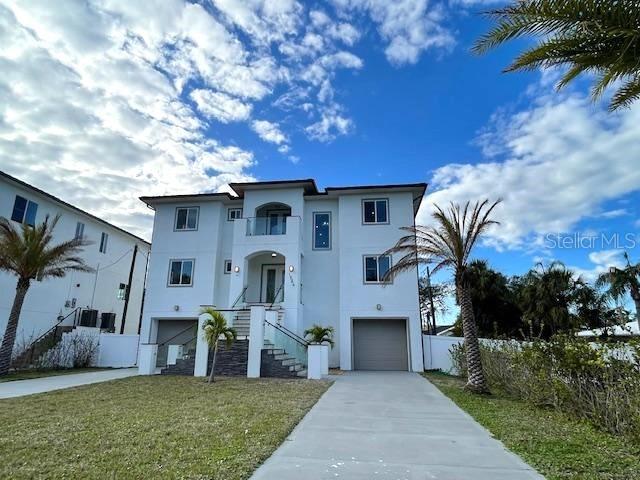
[[312, 255], [97, 299]]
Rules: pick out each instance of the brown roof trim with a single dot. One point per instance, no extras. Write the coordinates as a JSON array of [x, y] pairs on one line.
[[420, 188], [309, 185], [150, 201], [68, 205]]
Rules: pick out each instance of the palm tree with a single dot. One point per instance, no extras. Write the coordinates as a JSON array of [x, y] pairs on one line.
[[214, 328], [320, 335], [621, 280], [595, 36], [28, 254], [448, 244]]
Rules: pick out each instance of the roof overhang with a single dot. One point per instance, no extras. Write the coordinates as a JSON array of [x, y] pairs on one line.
[[416, 189], [308, 185]]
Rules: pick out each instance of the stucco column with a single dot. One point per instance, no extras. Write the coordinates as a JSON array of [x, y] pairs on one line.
[[256, 340], [202, 350], [315, 353], [147, 355]]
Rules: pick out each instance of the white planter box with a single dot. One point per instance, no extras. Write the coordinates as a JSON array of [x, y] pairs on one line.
[[315, 354]]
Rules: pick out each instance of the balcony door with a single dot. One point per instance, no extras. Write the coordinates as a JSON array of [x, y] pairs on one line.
[[276, 223], [272, 289]]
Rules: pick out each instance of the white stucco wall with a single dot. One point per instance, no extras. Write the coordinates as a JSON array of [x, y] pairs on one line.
[[46, 299]]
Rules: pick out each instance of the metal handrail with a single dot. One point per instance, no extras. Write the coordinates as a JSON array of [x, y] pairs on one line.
[[177, 334], [241, 296], [31, 347], [289, 333], [275, 296]]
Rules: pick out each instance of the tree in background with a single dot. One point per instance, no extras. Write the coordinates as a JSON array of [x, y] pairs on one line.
[[427, 291], [599, 37], [28, 254], [619, 281], [448, 243]]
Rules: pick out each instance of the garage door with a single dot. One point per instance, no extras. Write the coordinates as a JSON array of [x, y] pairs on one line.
[[379, 344]]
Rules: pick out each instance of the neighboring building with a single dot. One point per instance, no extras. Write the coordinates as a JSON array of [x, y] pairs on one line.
[[314, 255], [99, 292]]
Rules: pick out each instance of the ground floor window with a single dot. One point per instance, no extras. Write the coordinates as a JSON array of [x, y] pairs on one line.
[[375, 267]]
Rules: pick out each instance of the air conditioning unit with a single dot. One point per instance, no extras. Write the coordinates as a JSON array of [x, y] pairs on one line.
[[89, 318], [108, 322]]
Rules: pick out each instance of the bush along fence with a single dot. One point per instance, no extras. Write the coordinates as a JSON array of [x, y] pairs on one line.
[[599, 382]]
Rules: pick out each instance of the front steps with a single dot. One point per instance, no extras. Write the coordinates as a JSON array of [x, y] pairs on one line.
[[275, 362], [242, 320]]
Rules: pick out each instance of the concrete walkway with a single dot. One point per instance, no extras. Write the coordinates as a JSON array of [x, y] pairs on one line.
[[20, 388], [395, 425]]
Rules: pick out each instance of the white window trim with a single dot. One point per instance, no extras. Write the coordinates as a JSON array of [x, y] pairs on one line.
[[229, 210], [182, 260], [227, 262], [375, 211], [186, 229], [364, 269], [313, 240]]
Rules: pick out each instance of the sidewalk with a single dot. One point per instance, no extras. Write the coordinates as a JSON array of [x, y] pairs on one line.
[[390, 425], [20, 388]]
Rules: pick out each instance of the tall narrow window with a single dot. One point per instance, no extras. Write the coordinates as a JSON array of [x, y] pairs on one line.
[[79, 231], [234, 214], [375, 211], [322, 230], [24, 211], [181, 273], [187, 218], [227, 266], [104, 239], [375, 268]]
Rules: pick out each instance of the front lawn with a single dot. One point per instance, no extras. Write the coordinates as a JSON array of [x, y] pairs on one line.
[[557, 446], [152, 427], [33, 373]]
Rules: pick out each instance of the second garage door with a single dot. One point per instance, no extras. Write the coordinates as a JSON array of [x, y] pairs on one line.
[[379, 344]]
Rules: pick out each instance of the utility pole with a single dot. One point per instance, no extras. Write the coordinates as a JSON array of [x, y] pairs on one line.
[[433, 310], [127, 289]]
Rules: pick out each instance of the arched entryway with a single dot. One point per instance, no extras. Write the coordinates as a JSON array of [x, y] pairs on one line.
[[265, 278]]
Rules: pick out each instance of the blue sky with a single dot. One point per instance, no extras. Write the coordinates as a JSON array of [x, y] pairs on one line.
[[106, 100]]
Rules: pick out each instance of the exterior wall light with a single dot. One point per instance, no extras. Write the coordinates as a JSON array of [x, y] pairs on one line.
[[378, 307], [236, 269], [291, 268], [176, 308], [274, 254]]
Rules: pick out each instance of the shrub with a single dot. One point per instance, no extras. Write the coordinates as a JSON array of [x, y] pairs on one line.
[[595, 381], [73, 351]]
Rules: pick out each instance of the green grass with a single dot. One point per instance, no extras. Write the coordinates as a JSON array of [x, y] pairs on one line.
[[152, 427], [558, 447], [30, 374]]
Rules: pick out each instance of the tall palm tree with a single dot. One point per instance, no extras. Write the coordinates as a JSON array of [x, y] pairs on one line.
[[214, 328], [28, 254], [595, 36], [448, 244], [621, 280]]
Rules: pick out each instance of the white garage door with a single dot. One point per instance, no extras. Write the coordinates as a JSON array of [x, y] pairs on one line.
[[380, 344]]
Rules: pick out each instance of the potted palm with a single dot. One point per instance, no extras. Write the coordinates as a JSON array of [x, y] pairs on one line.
[[215, 327], [321, 338]]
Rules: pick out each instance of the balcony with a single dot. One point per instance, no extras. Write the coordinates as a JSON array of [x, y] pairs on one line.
[[273, 225]]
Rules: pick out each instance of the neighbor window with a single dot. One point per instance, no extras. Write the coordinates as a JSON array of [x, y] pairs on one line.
[[321, 230], [375, 211], [79, 231], [104, 239], [375, 267], [227, 266], [24, 211], [181, 273], [234, 214], [187, 218]]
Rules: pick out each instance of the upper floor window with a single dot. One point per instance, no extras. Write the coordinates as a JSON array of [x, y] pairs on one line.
[[181, 273], [234, 213], [79, 231], [104, 239], [375, 211], [375, 267], [24, 211], [322, 230], [187, 218]]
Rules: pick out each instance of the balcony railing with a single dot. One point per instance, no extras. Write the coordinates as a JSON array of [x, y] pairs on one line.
[[266, 226]]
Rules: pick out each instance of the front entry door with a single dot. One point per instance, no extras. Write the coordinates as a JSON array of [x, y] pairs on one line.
[[272, 284]]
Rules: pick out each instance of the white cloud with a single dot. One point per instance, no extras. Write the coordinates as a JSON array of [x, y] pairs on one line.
[[410, 27], [564, 158], [602, 261], [269, 132], [220, 106], [331, 124]]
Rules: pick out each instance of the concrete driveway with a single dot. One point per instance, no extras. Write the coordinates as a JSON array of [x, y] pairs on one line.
[[390, 425], [20, 388]]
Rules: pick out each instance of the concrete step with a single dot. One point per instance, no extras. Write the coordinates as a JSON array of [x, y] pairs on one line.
[[302, 373]]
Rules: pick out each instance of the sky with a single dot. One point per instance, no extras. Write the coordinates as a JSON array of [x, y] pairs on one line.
[[104, 101]]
